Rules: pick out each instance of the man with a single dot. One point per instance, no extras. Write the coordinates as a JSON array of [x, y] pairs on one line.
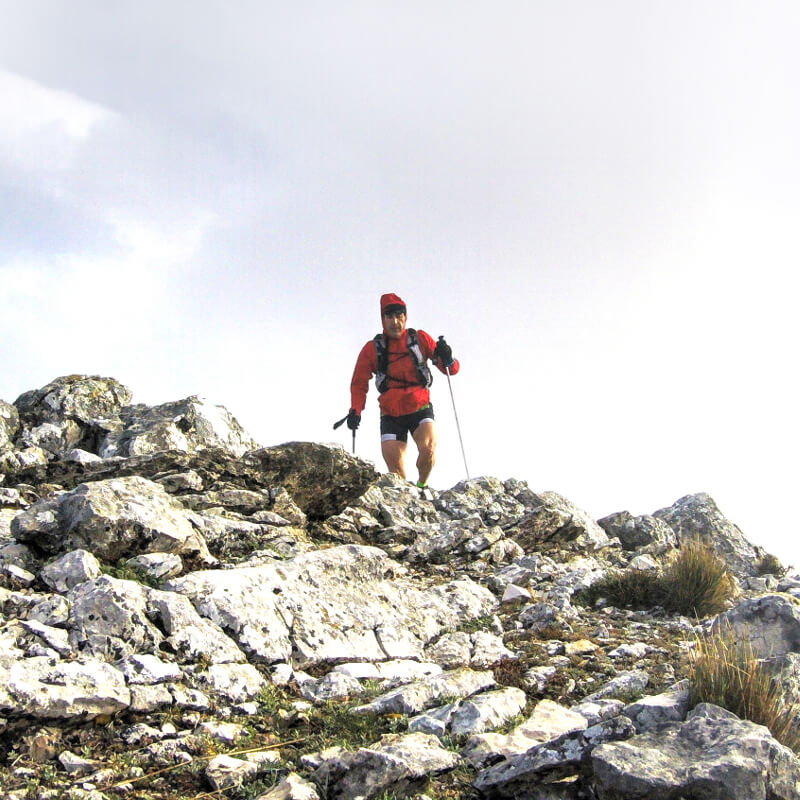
[[398, 358]]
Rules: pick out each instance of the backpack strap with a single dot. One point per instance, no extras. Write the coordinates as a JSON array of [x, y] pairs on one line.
[[382, 377]]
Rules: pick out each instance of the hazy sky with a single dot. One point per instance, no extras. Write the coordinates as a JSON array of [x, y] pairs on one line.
[[598, 203]]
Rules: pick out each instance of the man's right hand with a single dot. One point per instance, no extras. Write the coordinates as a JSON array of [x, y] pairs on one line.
[[353, 419]]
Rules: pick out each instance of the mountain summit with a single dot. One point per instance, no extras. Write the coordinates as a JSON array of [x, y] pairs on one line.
[[186, 613]]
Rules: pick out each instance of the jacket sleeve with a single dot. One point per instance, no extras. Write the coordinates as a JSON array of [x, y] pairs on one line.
[[366, 364], [427, 345]]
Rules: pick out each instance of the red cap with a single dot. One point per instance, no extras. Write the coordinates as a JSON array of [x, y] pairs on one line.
[[388, 300]]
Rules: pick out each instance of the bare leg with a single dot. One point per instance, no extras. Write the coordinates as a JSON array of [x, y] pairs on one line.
[[425, 438], [394, 452]]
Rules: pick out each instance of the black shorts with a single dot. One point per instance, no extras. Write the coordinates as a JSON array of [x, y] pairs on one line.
[[399, 427]]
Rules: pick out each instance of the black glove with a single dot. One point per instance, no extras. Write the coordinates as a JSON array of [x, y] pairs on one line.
[[353, 419], [443, 352]]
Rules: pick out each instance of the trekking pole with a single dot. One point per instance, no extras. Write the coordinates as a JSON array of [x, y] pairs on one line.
[[341, 422], [455, 414]]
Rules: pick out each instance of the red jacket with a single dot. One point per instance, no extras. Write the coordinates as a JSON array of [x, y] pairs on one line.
[[395, 401]]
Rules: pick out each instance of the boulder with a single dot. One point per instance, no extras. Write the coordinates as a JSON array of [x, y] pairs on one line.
[[548, 722], [554, 519], [480, 712], [712, 754], [492, 501], [696, 516], [292, 787], [652, 711], [69, 570], [624, 683], [80, 398], [113, 619], [529, 773], [333, 686], [113, 519], [186, 425], [770, 624], [9, 425], [415, 697], [333, 605], [46, 689], [647, 533], [398, 764]]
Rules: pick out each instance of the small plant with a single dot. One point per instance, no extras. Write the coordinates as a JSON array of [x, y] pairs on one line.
[[477, 624], [334, 723], [726, 672], [769, 565], [510, 672], [130, 572], [271, 699]]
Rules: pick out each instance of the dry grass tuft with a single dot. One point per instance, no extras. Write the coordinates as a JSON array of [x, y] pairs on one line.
[[697, 583], [727, 673]]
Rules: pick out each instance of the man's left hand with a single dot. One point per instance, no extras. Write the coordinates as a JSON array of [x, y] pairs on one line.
[[443, 352]]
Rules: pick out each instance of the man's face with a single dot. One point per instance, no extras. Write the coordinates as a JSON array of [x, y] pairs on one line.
[[394, 323]]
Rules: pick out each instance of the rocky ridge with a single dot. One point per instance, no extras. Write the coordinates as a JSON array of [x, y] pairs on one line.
[[185, 613]]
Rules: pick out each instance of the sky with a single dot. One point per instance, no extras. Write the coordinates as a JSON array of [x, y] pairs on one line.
[[596, 204]]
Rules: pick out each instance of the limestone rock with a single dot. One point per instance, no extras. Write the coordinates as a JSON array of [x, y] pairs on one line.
[[321, 479], [292, 787], [51, 437], [397, 764], [76, 765], [80, 456], [9, 425], [548, 722], [81, 398], [651, 712], [146, 669], [770, 624], [484, 497], [712, 754], [481, 712], [237, 683], [333, 686], [225, 772], [416, 697], [696, 516], [113, 618], [522, 775], [647, 533], [624, 683], [112, 519], [69, 570], [157, 566], [331, 605], [556, 519], [186, 425], [40, 687]]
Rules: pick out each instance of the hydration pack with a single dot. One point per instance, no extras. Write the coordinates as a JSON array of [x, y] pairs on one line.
[[424, 376]]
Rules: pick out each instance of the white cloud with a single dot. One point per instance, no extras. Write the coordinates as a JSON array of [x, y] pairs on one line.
[[42, 127]]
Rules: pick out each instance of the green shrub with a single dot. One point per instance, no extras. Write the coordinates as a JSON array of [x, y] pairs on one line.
[[630, 588], [727, 673]]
